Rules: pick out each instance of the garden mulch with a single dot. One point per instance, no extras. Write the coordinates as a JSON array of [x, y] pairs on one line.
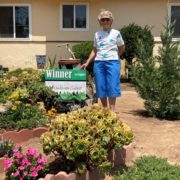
[[152, 136]]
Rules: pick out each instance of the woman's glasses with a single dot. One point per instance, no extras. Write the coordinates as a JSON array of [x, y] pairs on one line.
[[105, 19]]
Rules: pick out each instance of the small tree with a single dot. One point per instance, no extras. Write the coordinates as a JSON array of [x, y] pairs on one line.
[[133, 35], [159, 85]]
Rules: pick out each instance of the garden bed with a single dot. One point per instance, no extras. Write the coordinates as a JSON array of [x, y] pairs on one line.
[[20, 137]]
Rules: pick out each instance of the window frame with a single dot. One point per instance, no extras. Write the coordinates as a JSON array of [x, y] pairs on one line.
[[169, 16], [74, 28], [30, 22]]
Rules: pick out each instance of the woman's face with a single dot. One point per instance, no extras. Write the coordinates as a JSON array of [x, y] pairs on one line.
[[106, 23]]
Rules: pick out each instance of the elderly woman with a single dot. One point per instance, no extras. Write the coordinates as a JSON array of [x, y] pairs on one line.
[[108, 46]]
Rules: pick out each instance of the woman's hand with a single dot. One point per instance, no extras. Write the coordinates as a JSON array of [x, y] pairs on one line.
[[84, 66], [90, 59]]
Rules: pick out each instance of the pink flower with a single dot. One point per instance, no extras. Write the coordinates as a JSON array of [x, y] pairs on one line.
[[5, 156], [16, 174], [42, 160], [25, 173], [19, 145], [15, 150], [34, 174], [32, 168], [21, 168], [18, 155], [25, 161], [7, 163], [39, 168], [32, 152]]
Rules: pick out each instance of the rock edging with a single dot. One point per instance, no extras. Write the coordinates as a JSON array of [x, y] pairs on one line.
[[23, 135]]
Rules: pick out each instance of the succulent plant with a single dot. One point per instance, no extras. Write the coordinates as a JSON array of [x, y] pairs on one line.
[[83, 138]]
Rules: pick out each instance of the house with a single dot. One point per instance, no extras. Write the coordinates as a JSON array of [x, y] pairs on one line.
[[30, 28]]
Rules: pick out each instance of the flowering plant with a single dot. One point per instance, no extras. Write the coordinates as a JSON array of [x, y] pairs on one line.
[[23, 166], [82, 139]]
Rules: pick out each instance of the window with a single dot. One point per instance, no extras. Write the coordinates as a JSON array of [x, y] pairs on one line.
[[14, 21], [175, 16], [74, 16]]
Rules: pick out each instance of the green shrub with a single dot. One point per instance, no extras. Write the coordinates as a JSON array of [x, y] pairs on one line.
[[151, 168], [82, 52], [19, 78], [160, 86], [21, 115], [133, 35], [6, 148], [83, 138], [39, 92]]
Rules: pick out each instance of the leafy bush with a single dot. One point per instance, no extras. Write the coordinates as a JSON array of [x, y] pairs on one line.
[[160, 86], [83, 138], [133, 35], [39, 92], [30, 165], [151, 168], [82, 52], [6, 148], [20, 78], [21, 115]]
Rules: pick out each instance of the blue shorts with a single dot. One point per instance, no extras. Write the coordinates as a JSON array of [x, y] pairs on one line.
[[107, 78]]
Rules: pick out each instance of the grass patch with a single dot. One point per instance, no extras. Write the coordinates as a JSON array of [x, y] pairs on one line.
[[150, 168]]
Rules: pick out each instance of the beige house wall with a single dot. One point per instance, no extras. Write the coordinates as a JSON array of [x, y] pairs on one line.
[[46, 33]]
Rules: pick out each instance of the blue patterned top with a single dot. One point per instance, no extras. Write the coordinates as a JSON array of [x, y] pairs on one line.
[[106, 43]]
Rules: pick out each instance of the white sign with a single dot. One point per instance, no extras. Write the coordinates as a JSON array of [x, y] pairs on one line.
[[67, 86]]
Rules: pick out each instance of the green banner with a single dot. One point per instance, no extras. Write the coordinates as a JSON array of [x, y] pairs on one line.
[[65, 75]]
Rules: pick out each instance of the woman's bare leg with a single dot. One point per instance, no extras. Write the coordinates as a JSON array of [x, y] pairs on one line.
[[104, 102], [112, 102]]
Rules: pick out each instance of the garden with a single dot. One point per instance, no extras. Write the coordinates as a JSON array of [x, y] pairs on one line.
[[42, 138]]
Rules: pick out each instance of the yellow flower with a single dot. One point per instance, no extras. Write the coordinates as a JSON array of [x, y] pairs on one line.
[[28, 105], [53, 110], [18, 102], [40, 103], [51, 114], [9, 97], [25, 73], [9, 145], [14, 108]]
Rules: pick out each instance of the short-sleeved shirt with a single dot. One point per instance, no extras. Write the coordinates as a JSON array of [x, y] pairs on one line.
[[107, 43]]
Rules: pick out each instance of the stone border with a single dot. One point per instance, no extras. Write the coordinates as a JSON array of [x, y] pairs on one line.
[[19, 137], [120, 157], [23, 135]]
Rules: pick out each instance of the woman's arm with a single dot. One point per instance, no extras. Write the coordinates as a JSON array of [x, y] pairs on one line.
[[121, 50], [90, 59]]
